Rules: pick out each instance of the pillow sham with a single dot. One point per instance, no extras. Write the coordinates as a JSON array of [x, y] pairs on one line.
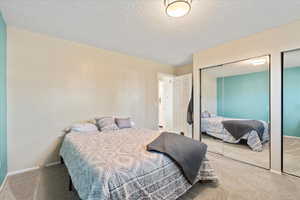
[[82, 127], [123, 123], [106, 124]]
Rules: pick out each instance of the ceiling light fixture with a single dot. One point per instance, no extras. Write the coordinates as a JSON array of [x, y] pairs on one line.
[[178, 8], [258, 61]]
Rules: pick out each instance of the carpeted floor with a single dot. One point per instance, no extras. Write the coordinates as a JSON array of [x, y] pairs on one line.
[[236, 181], [291, 155]]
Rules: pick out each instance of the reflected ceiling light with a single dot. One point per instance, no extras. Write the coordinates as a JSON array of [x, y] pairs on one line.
[[258, 61], [177, 8]]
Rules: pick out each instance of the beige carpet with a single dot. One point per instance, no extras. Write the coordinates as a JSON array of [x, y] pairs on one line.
[[236, 181], [291, 155]]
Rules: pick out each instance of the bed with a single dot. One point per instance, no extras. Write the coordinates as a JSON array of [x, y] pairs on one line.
[[213, 126], [115, 165]]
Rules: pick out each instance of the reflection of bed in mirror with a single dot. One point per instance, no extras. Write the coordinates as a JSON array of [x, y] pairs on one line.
[[214, 126], [235, 104]]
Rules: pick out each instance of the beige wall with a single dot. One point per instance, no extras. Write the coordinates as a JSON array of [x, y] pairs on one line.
[[53, 82], [185, 69], [272, 42]]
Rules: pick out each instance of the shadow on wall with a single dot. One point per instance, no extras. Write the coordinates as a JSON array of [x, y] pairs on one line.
[[51, 154]]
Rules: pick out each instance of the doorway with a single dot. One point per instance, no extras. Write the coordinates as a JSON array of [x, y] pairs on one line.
[[165, 102]]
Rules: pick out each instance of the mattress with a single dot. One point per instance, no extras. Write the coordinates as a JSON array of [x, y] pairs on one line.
[[213, 126], [116, 165]]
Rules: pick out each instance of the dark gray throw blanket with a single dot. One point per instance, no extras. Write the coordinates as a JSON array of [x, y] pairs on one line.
[[238, 128], [186, 152]]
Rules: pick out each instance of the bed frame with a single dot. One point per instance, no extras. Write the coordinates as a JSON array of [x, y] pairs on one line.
[[70, 179]]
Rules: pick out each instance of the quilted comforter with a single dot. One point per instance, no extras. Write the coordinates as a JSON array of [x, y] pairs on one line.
[[116, 165]]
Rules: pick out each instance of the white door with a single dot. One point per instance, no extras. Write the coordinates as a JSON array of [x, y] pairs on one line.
[[182, 94]]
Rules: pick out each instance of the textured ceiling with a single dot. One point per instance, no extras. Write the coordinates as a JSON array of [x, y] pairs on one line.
[[141, 27]]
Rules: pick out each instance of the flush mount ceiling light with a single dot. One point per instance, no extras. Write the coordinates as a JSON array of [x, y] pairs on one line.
[[178, 8]]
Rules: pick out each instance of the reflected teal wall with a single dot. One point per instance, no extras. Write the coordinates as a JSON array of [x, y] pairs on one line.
[[244, 96], [3, 145], [291, 101]]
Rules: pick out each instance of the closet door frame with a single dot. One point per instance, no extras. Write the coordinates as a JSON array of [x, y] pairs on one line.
[[282, 110], [270, 119]]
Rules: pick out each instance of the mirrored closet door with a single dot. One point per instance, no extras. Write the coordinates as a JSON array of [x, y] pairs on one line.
[[211, 108], [235, 110], [291, 110]]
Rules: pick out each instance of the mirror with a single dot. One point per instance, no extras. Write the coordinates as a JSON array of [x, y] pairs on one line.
[[291, 110], [235, 110], [211, 134]]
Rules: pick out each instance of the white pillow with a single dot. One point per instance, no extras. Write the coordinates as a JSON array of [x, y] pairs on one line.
[[83, 128]]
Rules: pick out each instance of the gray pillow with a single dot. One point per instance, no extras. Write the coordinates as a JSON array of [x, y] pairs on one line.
[[106, 124], [123, 122], [205, 114]]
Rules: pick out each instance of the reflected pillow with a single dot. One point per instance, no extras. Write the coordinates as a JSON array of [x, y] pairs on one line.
[[205, 114], [106, 124], [212, 115], [123, 123]]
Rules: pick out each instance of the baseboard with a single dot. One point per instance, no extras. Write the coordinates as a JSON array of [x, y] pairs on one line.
[[32, 168], [53, 164], [22, 171], [2, 186], [292, 137], [276, 172]]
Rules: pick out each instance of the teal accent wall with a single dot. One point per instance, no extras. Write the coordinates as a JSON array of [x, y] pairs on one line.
[[244, 96], [3, 140], [291, 101]]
